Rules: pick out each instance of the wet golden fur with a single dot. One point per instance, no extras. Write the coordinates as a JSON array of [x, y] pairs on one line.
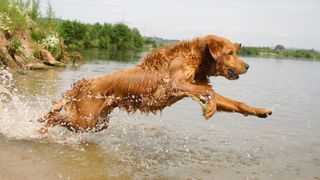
[[162, 78]]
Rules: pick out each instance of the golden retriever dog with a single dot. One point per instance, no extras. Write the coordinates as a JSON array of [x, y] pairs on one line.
[[164, 77]]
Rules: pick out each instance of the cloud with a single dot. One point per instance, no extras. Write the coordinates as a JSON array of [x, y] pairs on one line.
[[282, 35]]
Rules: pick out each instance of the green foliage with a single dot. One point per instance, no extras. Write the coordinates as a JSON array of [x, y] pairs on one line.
[[29, 58], [151, 42], [37, 54], [279, 47], [35, 9], [104, 42], [37, 35], [18, 14], [50, 13], [121, 37], [137, 39], [21, 71], [25, 16], [155, 42], [72, 32], [15, 46], [50, 21], [278, 51], [104, 36]]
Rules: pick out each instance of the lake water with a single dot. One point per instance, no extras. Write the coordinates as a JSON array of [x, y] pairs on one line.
[[177, 144]]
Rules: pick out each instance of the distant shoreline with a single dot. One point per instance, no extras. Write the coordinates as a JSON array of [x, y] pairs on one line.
[[278, 52]]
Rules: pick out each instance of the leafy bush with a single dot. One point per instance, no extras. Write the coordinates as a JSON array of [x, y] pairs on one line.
[[37, 54], [18, 13], [14, 47], [50, 42], [37, 36], [5, 22]]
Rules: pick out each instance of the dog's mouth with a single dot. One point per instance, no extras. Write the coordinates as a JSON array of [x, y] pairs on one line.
[[232, 75]]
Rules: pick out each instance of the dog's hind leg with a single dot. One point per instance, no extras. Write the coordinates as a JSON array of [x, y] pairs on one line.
[[57, 106], [93, 115], [102, 124], [103, 119], [54, 119]]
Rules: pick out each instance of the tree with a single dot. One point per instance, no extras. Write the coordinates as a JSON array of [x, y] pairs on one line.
[[279, 47], [137, 39], [121, 37], [35, 9], [107, 36]]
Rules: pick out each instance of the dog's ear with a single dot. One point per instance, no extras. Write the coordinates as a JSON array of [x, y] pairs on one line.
[[215, 49], [237, 46]]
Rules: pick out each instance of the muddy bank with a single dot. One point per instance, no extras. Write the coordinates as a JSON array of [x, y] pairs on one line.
[[18, 51]]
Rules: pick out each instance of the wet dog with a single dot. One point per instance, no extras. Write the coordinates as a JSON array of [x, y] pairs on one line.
[[164, 77]]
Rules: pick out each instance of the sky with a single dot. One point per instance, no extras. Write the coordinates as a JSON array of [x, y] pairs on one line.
[[292, 23]]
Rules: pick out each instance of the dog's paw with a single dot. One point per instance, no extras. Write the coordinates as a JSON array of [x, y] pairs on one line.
[[44, 117], [263, 113], [41, 119], [208, 115], [43, 130], [209, 111]]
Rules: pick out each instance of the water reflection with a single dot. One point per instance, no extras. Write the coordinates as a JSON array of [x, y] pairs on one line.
[[120, 56], [178, 144]]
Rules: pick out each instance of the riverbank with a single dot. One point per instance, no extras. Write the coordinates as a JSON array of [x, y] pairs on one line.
[[29, 40], [32, 40], [279, 52], [19, 52]]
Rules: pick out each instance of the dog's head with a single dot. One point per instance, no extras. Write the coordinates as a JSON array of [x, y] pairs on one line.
[[225, 61]]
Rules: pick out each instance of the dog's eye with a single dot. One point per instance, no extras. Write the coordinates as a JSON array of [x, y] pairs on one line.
[[230, 53]]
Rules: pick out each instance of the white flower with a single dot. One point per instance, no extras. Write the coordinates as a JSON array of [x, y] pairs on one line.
[[4, 21], [50, 41]]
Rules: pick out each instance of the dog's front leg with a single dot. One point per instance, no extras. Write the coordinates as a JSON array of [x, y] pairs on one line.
[[208, 105], [229, 105], [203, 94], [182, 75]]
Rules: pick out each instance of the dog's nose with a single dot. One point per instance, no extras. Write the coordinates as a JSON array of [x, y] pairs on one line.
[[247, 66]]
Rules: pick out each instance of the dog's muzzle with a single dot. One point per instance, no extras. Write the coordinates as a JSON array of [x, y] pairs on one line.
[[232, 75]]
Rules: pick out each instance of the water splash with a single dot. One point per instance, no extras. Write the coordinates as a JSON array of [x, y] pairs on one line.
[[16, 116]]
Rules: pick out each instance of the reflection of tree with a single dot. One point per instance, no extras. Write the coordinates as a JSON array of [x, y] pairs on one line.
[[122, 56]]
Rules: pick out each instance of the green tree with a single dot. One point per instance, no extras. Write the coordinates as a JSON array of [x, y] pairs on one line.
[[87, 41], [137, 39], [73, 32], [35, 10], [121, 37], [104, 42], [106, 36], [279, 47]]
